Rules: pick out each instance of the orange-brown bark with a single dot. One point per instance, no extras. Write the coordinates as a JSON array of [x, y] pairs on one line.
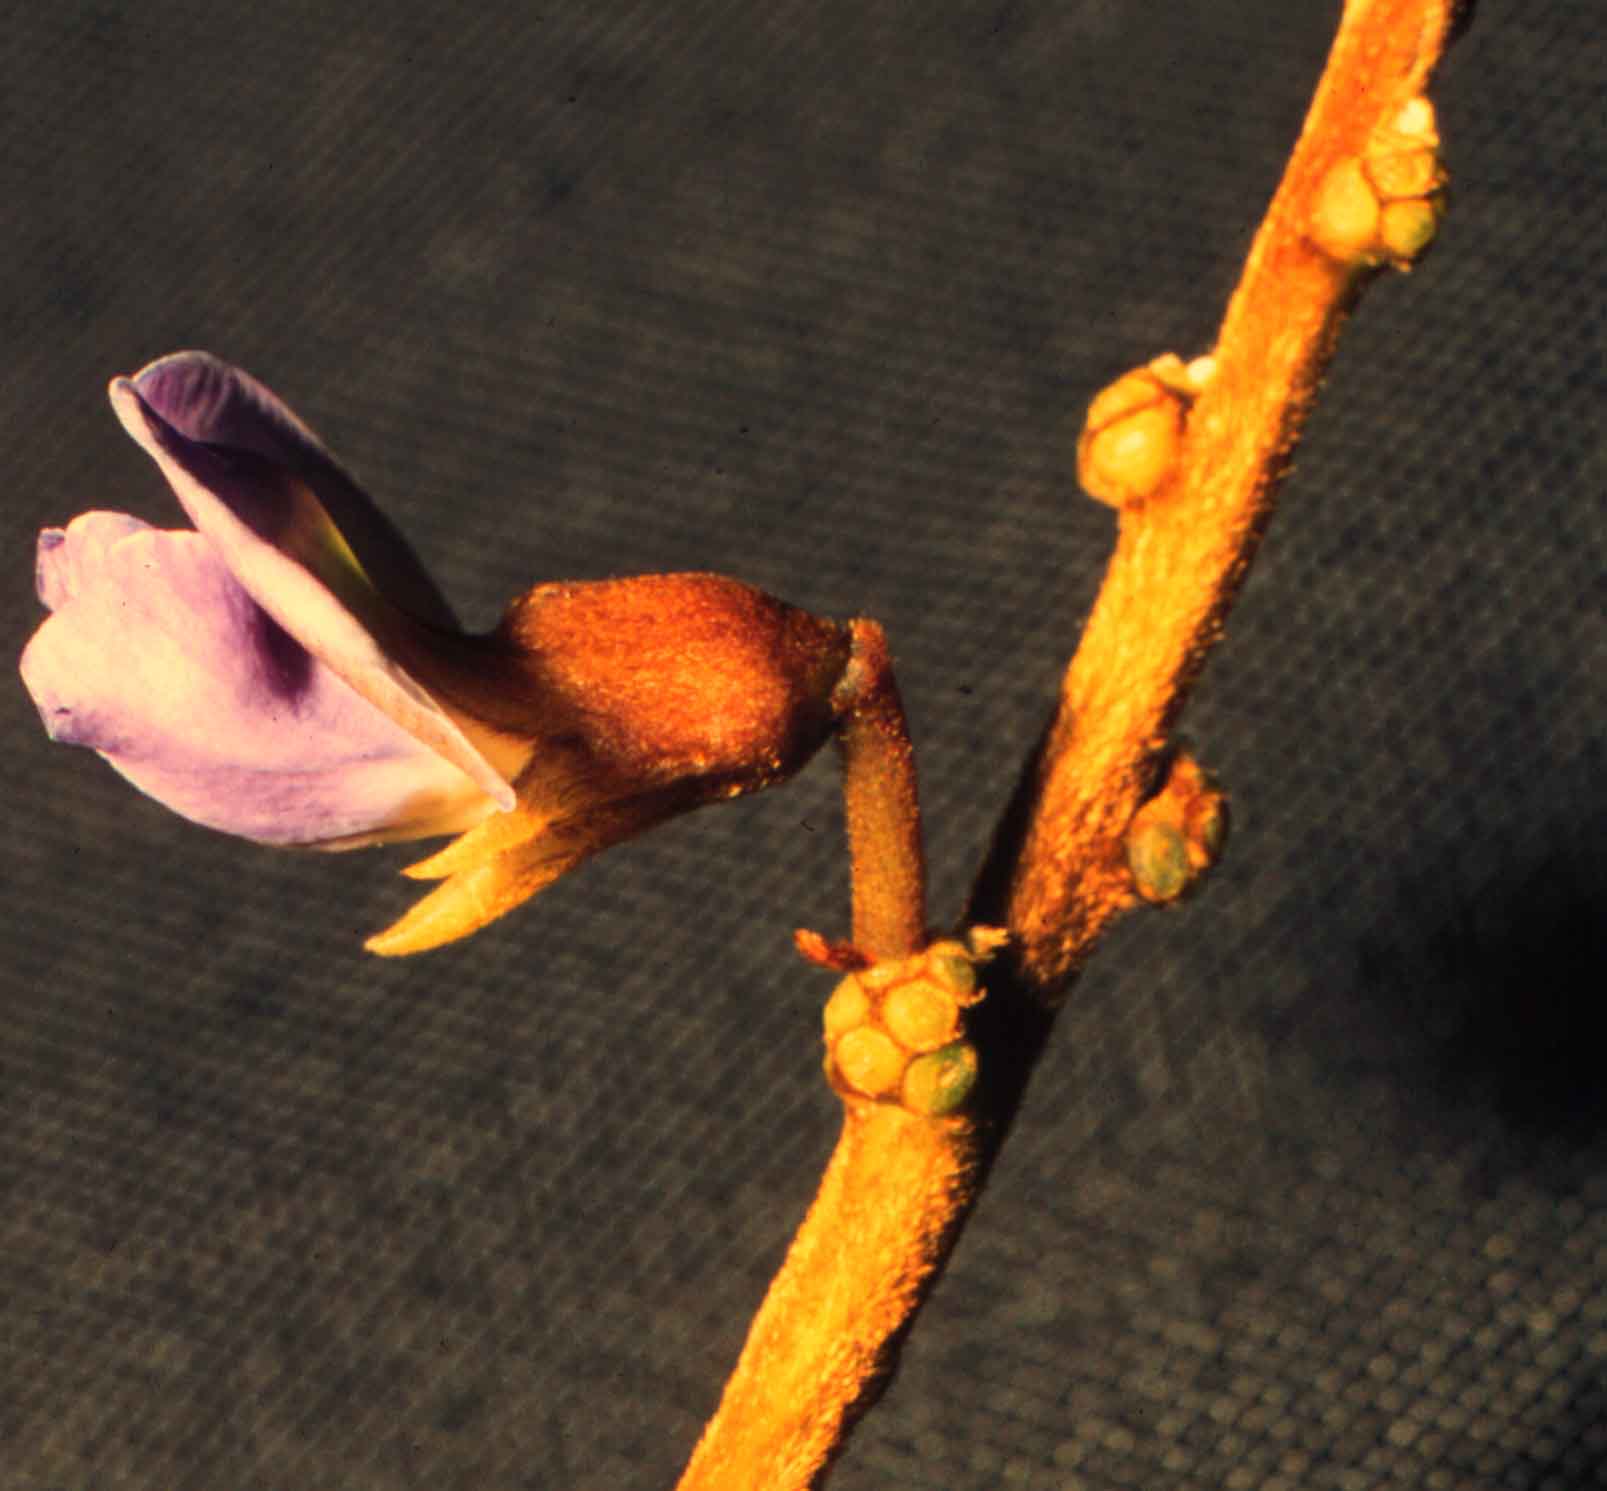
[[888, 1207], [899, 1186], [1181, 555]]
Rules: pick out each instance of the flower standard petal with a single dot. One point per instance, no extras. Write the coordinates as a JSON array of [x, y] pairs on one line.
[[282, 545], [159, 661], [211, 402]]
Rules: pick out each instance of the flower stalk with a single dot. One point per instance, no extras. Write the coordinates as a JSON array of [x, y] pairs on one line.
[[880, 804]]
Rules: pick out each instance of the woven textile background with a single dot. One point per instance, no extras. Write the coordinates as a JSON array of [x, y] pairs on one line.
[[1311, 1189]]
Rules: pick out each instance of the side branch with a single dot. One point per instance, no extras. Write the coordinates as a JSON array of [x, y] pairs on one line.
[[1185, 545]]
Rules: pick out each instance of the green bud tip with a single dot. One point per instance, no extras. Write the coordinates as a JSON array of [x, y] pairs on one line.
[[1407, 228], [937, 1084], [954, 967], [1158, 856], [1208, 831]]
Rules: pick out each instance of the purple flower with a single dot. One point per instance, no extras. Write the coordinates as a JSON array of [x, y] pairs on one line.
[[158, 659], [288, 672]]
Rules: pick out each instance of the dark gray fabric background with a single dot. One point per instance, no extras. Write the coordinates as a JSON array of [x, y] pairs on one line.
[[1310, 1190]]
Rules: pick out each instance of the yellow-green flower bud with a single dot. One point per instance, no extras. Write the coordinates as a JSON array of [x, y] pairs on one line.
[[894, 1031], [1344, 219], [953, 965], [1178, 834], [879, 975], [938, 1083], [1384, 205], [921, 1016], [869, 1061], [1207, 830], [1407, 228], [1157, 854], [1133, 434], [848, 1006]]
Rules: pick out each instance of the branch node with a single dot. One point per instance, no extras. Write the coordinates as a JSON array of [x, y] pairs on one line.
[[895, 1032], [1133, 435], [1384, 206], [1178, 834]]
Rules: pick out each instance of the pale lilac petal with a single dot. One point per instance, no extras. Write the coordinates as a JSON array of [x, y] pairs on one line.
[[67, 555], [279, 542], [162, 663]]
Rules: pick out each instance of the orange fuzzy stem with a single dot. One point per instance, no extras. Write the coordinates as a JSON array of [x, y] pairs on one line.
[[899, 1187], [822, 1343], [1182, 554]]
